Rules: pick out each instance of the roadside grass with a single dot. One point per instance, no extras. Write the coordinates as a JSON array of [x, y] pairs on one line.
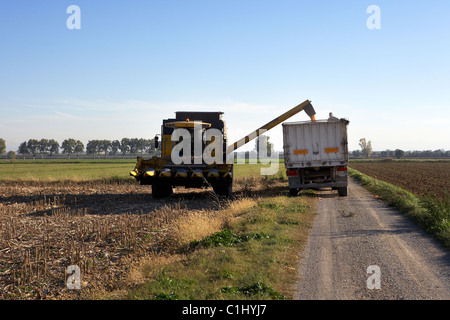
[[253, 254], [430, 213]]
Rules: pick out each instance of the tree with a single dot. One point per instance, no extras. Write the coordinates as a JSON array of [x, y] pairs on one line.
[[150, 146], [356, 153], [264, 142], [44, 147], [115, 146], [68, 146], [366, 147], [79, 147], [2, 146], [11, 155], [98, 146], [399, 153], [144, 145], [33, 147], [53, 147], [125, 145], [23, 149], [92, 147], [134, 145], [105, 146]]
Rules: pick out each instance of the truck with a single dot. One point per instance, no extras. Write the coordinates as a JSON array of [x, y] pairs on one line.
[[163, 173], [316, 155]]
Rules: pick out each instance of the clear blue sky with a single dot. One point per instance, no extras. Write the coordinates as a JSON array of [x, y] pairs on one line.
[[133, 63]]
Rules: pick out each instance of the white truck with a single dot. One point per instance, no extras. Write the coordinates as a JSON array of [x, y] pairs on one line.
[[316, 154]]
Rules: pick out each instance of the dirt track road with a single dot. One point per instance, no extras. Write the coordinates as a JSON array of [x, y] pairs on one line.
[[354, 232]]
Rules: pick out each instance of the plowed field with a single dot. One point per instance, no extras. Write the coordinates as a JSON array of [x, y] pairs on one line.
[[418, 177]]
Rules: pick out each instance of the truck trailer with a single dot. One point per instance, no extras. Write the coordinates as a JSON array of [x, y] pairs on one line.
[[316, 154]]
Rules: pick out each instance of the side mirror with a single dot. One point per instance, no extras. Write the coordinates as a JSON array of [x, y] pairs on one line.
[[156, 142]]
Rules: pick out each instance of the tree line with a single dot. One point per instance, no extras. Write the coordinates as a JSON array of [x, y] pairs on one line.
[[50, 147], [366, 152]]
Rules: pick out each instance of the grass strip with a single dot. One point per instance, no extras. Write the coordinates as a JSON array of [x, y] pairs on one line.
[[58, 170], [430, 213], [254, 256]]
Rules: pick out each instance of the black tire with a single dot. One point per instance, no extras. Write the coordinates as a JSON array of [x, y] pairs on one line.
[[223, 188], [161, 190], [342, 191], [293, 192]]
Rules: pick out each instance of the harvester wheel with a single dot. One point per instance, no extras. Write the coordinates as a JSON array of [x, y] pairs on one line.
[[161, 190], [223, 189]]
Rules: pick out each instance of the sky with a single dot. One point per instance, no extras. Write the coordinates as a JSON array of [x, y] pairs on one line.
[[133, 63]]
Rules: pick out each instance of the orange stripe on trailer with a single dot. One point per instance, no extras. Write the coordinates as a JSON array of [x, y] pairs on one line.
[[301, 151], [331, 150]]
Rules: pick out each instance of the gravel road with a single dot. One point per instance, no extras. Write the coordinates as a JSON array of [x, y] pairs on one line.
[[354, 232]]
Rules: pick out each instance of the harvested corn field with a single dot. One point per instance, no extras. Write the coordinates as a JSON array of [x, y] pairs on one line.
[[104, 227], [47, 226], [419, 177]]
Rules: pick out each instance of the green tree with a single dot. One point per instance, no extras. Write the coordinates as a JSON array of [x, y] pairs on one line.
[[44, 147], [11, 155], [33, 147], [267, 146], [144, 145], [53, 147], [399, 153], [79, 147], [68, 146], [366, 147], [115, 146], [2, 146], [125, 145], [134, 145], [91, 147], [23, 149], [356, 153], [103, 146]]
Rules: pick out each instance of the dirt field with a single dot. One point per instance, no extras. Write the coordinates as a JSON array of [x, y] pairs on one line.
[[418, 177], [101, 226]]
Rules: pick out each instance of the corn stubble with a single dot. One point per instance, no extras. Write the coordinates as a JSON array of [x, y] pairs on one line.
[[104, 228]]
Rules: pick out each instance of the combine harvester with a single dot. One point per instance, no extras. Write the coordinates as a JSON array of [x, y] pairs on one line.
[[192, 169]]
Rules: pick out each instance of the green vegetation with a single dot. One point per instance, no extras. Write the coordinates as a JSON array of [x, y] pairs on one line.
[[90, 169], [227, 238], [65, 169], [403, 160], [254, 257], [431, 213]]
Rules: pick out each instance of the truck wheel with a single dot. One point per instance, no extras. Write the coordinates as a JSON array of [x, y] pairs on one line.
[[293, 192], [342, 191]]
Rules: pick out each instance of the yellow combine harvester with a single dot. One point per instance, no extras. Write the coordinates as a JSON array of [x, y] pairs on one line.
[[187, 165]]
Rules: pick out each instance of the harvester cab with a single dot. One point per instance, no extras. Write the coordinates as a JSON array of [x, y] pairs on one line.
[[195, 152]]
